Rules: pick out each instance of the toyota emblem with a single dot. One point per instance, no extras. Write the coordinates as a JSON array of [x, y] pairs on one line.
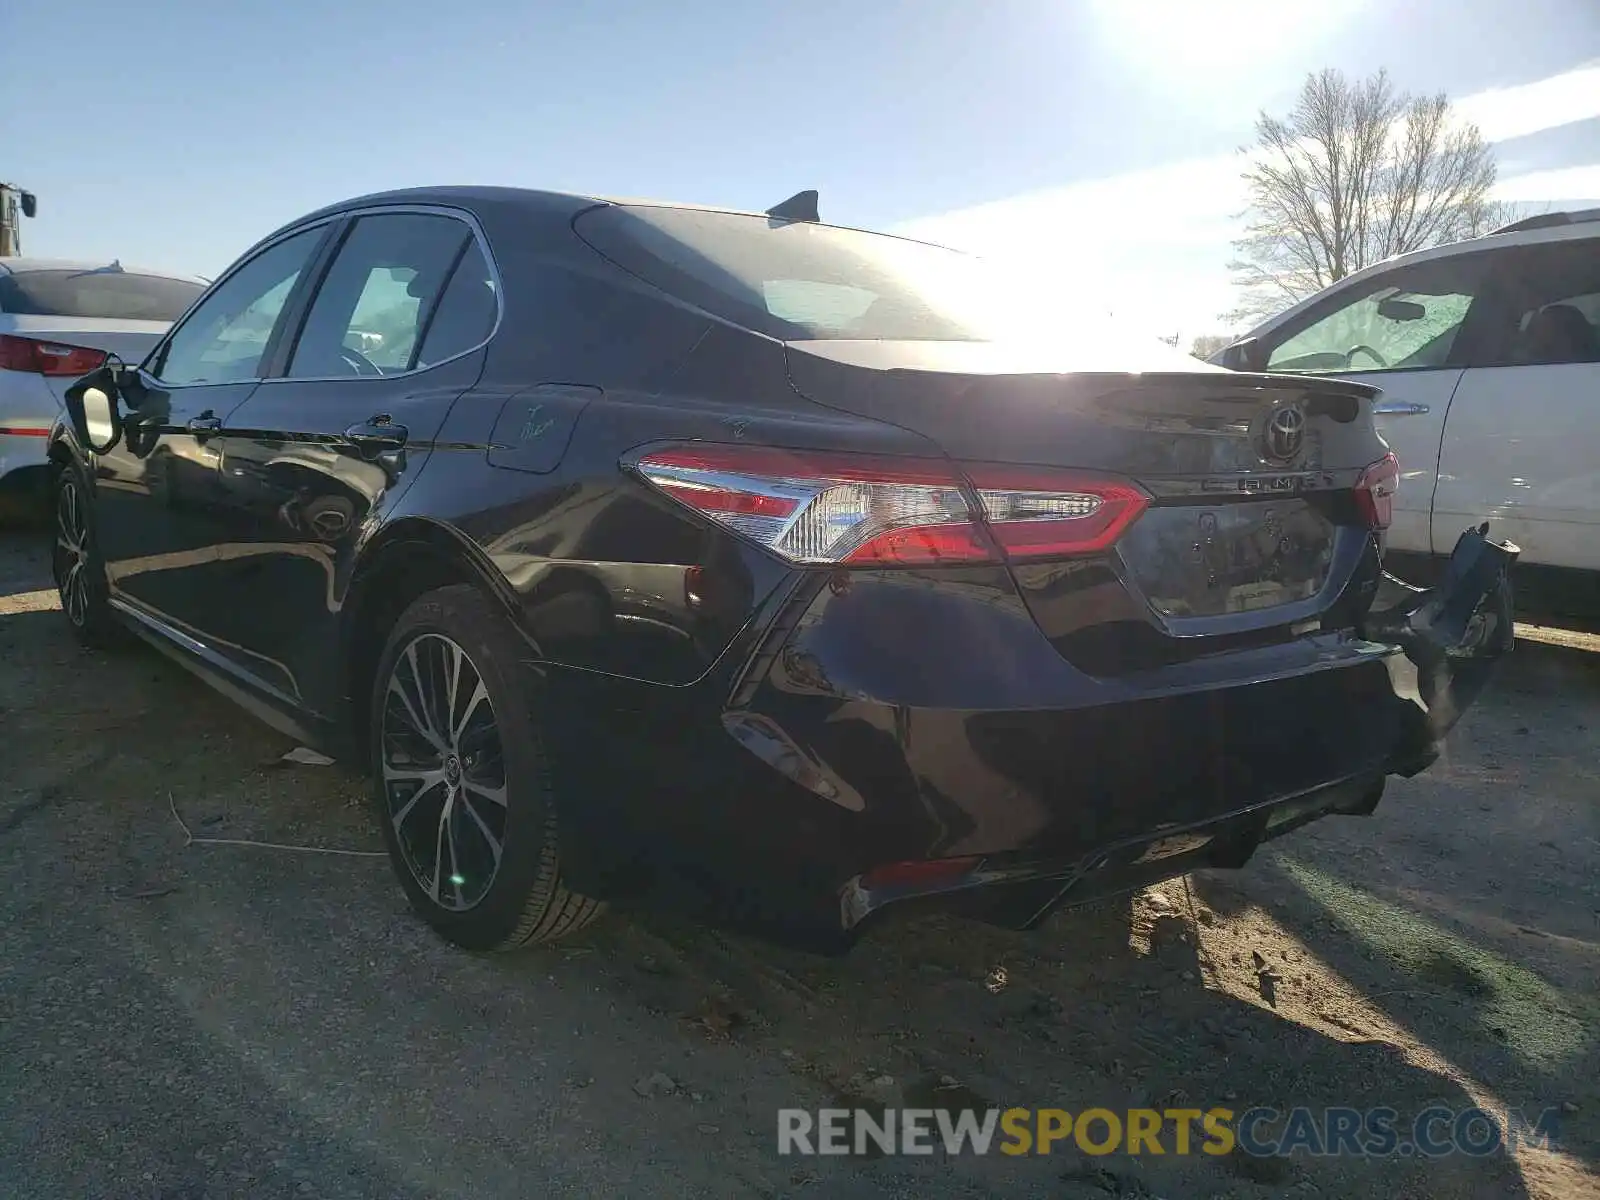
[[1285, 432]]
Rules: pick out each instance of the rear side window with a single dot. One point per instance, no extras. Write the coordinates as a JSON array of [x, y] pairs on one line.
[[368, 315], [802, 281], [117, 295], [1553, 295]]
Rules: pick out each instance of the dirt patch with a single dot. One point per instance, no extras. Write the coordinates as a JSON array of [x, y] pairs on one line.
[[230, 1020]]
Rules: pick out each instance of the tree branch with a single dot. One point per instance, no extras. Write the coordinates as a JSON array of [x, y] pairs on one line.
[[1356, 173]]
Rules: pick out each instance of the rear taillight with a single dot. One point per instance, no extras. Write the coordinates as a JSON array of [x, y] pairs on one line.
[[1375, 491], [47, 358], [1044, 514], [815, 507]]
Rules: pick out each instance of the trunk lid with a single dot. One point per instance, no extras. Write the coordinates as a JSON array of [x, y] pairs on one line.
[[1253, 521]]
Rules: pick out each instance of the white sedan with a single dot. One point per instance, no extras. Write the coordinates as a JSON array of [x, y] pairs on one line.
[[58, 319]]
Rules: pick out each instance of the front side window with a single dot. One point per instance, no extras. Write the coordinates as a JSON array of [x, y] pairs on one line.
[[369, 312], [1403, 320], [102, 293], [224, 338]]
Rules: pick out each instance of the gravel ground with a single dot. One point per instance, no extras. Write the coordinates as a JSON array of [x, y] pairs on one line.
[[188, 1020]]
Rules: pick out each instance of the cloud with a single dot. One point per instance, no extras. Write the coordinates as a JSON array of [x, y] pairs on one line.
[[1504, 113], [1152, 245], [1559, 185]]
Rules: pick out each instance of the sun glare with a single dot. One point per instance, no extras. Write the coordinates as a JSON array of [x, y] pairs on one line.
[[1190, 34]]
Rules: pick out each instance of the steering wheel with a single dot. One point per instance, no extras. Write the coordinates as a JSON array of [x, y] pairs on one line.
[[359, 361], [1363, 348]]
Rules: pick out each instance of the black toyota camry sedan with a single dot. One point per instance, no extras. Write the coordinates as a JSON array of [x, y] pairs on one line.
[[790, 572]]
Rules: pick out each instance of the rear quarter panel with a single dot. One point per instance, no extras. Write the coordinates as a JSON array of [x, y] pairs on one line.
[[608, 575]]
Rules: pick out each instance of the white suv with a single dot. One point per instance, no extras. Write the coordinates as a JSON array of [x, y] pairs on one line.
[[1488, 354]]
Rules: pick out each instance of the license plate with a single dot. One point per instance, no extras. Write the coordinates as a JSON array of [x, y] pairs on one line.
[[1195, 561]]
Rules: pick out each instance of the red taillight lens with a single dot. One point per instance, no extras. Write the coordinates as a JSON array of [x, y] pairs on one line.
[[47, 358], [1051, 514], [1375, 491], [825, 508], [861, 509]]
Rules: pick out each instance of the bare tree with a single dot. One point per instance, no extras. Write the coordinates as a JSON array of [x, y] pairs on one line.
[[1207, 344], [1355, 174], [1496, 214]]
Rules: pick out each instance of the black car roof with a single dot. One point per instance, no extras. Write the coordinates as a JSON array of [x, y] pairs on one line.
[[555, 204], [557, 207], [560, 205]]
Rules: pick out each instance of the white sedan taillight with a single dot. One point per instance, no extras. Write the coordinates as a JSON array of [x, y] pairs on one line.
[[825, 507], [47, 358], [1375, 491]]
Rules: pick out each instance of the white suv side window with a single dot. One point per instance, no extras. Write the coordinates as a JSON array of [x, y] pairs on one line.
[[1404, 320], [1554, 303]]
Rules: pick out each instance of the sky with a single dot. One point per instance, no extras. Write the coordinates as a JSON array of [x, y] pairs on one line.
[[1094, 140]]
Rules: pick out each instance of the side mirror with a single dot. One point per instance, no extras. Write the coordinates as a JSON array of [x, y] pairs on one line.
[[1247, 354], [1401, 310], [92, 407], [30, 204]]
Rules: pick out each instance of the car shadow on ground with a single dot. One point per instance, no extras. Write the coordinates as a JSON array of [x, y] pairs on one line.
[[1465, 915], [22, 573], [1125, 1004]]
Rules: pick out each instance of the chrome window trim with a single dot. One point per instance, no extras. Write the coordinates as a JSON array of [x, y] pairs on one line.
[[431, 210]]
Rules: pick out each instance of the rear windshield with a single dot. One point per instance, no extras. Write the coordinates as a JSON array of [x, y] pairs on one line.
[[800, 281], [113, 294]]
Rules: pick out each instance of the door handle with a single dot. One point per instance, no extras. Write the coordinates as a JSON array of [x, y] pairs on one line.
[[377, 433], [1398, 408], [205, 425], [378, 439]]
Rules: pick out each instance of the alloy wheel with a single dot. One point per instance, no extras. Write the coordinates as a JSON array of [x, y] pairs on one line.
[[71, 556], [444, 775]]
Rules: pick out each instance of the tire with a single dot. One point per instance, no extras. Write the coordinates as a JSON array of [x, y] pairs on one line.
[[444, 787], [76, 564]]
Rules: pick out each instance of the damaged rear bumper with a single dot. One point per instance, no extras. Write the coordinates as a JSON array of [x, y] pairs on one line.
[[1450, 636], [909, 738]]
